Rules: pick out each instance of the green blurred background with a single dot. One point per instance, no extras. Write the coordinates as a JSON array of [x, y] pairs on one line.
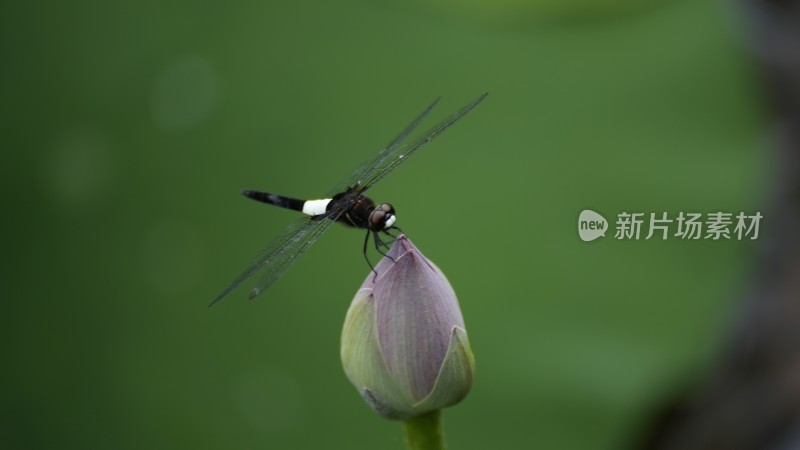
[[129, 129]]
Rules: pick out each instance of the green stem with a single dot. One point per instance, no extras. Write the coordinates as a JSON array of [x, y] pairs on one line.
[[425, 432]]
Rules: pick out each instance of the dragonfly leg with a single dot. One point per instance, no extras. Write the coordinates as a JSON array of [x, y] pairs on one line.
[[366, 241], [379, 243], [392, 235]]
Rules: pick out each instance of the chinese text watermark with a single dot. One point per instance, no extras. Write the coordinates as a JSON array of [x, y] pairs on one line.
[[718, 225]]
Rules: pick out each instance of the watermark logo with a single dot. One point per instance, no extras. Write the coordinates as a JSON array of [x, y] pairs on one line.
[[591, 225], [718, 225]]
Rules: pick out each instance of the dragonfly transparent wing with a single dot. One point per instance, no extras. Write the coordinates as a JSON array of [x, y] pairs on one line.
[[402, 152], [280, 254], [357, 176]]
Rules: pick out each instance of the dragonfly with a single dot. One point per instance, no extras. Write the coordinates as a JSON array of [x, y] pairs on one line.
[[347, 204]]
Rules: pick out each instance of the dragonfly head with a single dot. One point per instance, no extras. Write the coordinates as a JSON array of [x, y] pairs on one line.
[[382, 217]]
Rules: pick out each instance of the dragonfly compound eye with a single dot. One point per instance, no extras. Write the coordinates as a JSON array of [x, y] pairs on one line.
[[382, 217]]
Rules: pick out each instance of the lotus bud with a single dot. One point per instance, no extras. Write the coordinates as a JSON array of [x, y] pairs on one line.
[[404, 345]]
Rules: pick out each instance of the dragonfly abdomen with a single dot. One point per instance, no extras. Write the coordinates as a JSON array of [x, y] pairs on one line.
[[310, 207]]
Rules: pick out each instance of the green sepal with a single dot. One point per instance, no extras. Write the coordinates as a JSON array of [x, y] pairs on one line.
[[364, 363], [455, 376]]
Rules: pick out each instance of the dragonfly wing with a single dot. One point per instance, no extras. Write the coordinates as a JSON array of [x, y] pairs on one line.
[[284, 258], [280, 253], [391, 158], [357, 176]]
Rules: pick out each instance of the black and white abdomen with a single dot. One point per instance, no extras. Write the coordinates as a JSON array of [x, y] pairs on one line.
[[316, 207], [310, 207]]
